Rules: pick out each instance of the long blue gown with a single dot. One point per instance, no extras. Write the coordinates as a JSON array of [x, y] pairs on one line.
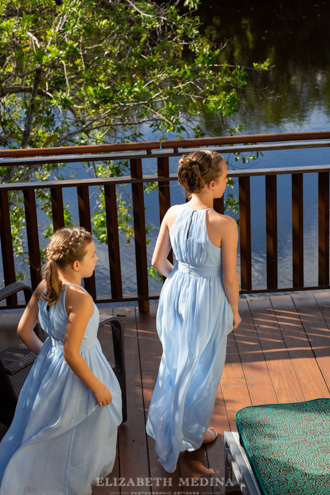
[[61, 441], [193, 320]]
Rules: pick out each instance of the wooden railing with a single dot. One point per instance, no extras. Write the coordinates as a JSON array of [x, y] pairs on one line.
[[136, 153]]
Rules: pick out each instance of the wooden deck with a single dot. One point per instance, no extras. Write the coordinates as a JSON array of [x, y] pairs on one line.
[[280, 353]]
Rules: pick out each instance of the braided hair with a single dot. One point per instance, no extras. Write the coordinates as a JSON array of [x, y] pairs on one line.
[[198, 169], [66, 246]]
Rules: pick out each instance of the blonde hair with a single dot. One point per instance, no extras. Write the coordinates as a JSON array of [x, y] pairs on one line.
[[198, 169], [66, 246]]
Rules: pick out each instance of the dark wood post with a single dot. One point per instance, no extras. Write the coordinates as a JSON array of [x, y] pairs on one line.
[[271, 231], [32, 236], [297, 230], [140, 236], [113, 240], [323, 226], [245, 232], [85, 221], [7, 245], [164, 191], [57, 207]]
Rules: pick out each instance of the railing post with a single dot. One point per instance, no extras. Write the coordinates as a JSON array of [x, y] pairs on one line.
[[85, 221], [57, 207], [323, 226], [219, 205], [245, 233], [271, 231], [113, 240], [7, 245], [163, 169], [140, 236], [32, 236], [297, 230]]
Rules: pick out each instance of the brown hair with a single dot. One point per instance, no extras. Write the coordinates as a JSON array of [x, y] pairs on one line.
[[198, 169], [66, 246]]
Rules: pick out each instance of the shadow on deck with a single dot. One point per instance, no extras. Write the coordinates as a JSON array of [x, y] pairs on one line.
[[280, 353]]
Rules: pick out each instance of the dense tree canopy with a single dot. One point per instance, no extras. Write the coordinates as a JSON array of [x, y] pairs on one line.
[[96, 71], [77, 71]]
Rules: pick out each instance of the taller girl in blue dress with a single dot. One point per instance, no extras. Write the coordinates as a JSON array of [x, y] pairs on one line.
[[197, 309], [64, 432]]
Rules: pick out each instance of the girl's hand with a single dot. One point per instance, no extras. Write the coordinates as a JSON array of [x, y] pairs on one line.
[[103, 395], [236, 320]]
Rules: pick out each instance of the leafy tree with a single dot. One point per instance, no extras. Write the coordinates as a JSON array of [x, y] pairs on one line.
[[94, 71]]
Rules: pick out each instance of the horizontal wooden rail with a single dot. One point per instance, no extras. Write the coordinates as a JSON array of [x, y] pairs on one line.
[[135, 153], [90, 148], [151, 149], [247, 138], [12, 186]]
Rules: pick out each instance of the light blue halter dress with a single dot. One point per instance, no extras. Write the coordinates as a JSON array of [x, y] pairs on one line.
[[61, 441], [193, 321]]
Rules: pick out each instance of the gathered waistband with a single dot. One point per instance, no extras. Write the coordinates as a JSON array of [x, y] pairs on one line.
[[199, 271]]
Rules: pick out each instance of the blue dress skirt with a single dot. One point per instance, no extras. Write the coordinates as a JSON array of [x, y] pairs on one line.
[[61, 441], [193, 320]]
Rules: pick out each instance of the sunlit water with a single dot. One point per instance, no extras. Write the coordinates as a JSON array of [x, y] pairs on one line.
[[293, 97]]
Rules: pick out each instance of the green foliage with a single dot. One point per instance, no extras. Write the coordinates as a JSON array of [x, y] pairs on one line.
[[231, 201], [105, 69], [95, 71], [154, 273], [125, 220], [191, 4]]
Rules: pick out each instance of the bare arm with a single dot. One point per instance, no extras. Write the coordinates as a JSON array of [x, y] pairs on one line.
[[29, 319], [162, 248], [80, 308], [229, 264]]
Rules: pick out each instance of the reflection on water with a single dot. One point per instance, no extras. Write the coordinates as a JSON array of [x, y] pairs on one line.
[[293, 96]]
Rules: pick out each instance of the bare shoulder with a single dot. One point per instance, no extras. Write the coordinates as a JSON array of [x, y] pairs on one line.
[[174, 210], [78, 296], [230, 222], [40, 289], [172, 214], [223, 222]]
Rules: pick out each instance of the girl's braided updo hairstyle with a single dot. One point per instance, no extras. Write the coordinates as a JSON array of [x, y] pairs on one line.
[[66, 246], [198, 169]]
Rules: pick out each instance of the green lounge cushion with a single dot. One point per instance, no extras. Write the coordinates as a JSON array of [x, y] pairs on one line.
[[288, 446]]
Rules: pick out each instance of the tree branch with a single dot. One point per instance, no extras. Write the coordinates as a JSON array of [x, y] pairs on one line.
[[143, 13], [23, 89], [28, 120], [13, 74], [31, 109]]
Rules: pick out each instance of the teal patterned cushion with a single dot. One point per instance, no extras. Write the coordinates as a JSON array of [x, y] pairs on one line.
[[288, 446]]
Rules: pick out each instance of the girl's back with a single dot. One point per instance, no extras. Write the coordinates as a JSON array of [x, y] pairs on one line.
[[53, 319], [195, 311], [190, 239]]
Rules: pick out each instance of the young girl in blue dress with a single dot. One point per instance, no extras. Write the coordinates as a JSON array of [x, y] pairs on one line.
[[64, 432], [198, 307]]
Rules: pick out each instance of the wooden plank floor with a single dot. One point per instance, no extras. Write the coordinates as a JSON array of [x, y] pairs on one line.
[[280, 353]]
